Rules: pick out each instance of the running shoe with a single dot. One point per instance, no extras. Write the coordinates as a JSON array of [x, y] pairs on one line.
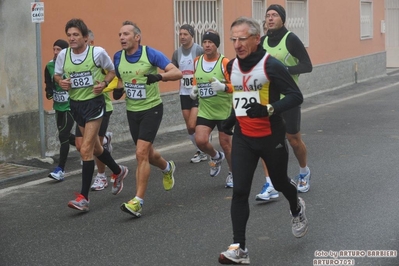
[[268, 192], [234, 255], [168, 178], [132, 207], [118, 180], [100, 183], [303, 182], [229, 180], [57, 174], [107, 145], [216, 164], [300, 222], [80, 203], [199, 157]]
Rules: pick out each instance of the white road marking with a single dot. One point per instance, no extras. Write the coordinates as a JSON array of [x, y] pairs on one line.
[[6, 191]]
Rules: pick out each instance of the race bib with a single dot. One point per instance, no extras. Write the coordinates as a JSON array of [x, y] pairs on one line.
[[241, 98], [60, 96], [205, 90], [135, 91], [81, 80], [187, 81]]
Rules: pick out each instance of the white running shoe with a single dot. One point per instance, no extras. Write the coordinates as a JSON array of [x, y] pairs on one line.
[[199, 157], [303, 182], [234, 255], [300, 222], [268, 192], [229, 180], [57, 174], [100, 183], [216, 164]]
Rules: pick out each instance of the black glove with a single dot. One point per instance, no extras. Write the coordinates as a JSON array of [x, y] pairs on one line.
[[49, 92], [256, 110], [151, 78], [49, 96], [118, 93], [228, 124]]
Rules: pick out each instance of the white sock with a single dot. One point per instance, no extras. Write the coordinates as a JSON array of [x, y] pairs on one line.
[[140, 199], [269, 181], [101, 174], [217, 156], [192, 138], [304, 171], [167, 169]]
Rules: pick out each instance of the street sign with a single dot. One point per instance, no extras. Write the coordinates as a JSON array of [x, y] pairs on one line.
[[37, 12]]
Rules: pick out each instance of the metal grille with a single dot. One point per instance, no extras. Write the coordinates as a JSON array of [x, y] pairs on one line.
[[366, 19], [201, 14], [297, 19]]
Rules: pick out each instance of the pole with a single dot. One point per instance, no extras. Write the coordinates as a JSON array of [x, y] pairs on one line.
[[40, 88]]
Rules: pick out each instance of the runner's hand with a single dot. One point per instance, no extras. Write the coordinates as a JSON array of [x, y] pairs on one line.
[[118, 93], [217, 85], [228, 124], [151, 78], [256, 110], [194, 93]]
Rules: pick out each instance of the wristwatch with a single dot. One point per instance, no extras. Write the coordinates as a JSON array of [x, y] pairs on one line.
[[106, 83], [270, 109]]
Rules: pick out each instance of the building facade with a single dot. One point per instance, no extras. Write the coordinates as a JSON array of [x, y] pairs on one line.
[[346, 41]]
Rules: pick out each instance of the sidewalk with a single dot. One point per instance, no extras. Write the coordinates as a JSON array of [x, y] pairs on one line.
[[37, 168], [32, 169]]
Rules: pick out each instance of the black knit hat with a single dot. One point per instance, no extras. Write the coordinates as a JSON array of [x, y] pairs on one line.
[[61, 43], [279, 9]]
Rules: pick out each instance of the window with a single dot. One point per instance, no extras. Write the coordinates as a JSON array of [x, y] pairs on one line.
[[297, 19], [366, 19], [202, 15], [259, 11]]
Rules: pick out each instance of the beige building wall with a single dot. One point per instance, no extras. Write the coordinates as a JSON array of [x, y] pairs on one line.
[[335, 48], [18, 81]]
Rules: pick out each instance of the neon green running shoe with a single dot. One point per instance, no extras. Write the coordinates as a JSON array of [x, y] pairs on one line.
[[168, 179], [132, 207]]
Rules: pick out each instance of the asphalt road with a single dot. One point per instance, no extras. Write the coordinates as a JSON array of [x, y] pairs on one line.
[[352, 136]]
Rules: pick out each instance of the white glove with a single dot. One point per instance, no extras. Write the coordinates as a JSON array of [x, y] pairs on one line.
[[194, 93], [217, 85]]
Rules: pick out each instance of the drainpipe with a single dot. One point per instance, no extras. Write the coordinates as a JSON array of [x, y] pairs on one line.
[[40, 90], [355, 72]]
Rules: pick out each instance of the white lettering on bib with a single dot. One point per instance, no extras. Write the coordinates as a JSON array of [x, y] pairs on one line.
[[60, 96], [187, 81], [205, 90], [135, 91], [81, 80]]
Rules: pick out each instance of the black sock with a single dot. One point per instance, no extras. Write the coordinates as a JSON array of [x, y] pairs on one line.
[[107, 159], [87, 176]]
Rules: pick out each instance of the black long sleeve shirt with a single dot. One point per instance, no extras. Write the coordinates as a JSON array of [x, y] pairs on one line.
[[294, 46], [281, 81]]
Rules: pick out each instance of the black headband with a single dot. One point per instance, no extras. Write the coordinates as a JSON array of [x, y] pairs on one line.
[[211, 37]]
